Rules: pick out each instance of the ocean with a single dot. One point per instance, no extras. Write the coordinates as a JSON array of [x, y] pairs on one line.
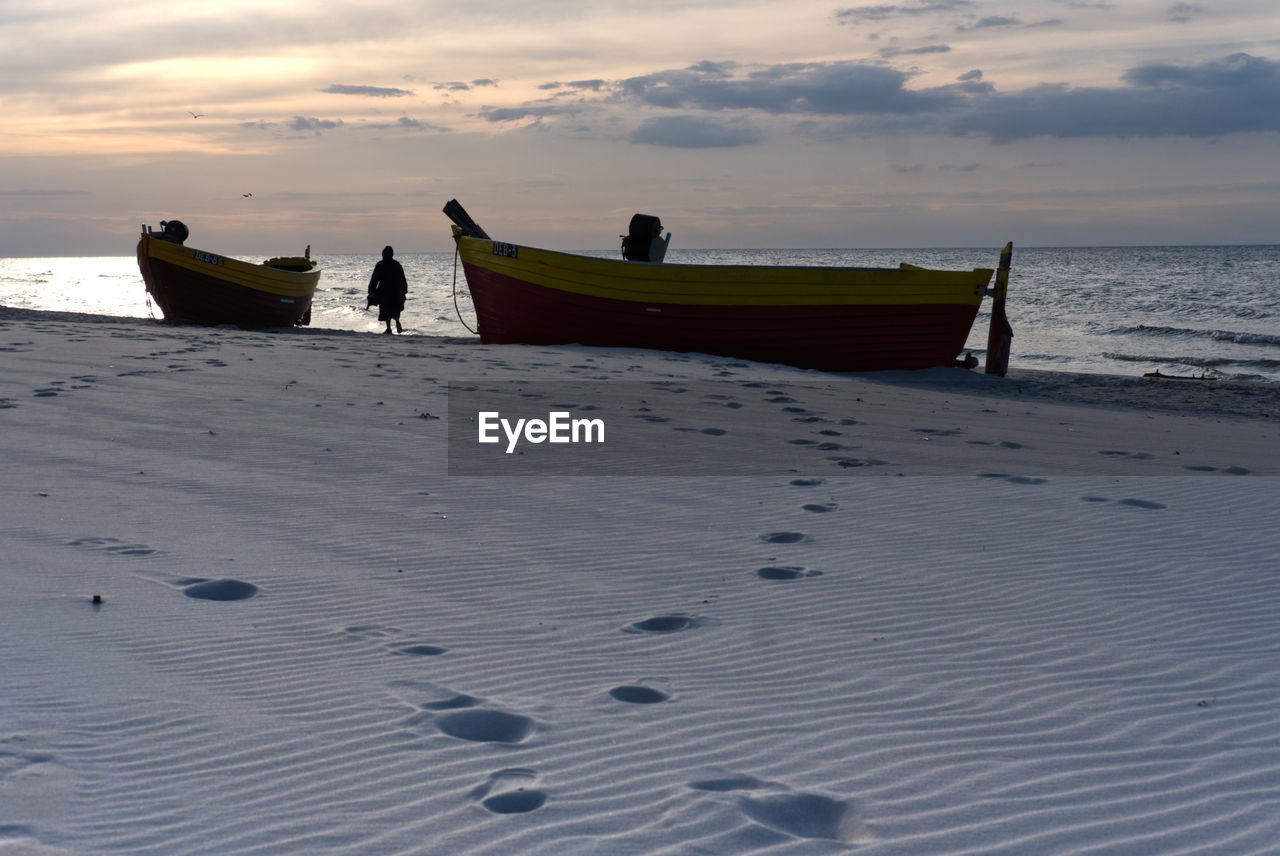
[[1198, 311]]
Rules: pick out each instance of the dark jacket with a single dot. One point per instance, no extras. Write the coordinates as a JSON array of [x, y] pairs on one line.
[[387, 288]]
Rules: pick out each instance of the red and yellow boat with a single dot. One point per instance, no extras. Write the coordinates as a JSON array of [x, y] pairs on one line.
[[196, 287], [829, 318]]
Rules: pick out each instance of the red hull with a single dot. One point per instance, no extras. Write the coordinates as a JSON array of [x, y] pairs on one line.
[[188, 297], [830, 338]]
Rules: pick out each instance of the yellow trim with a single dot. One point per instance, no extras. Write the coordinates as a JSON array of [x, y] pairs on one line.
[[725, 285], [283, 283]]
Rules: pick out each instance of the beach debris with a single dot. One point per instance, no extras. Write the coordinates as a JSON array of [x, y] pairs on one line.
[[97, 599], [1158, 374]]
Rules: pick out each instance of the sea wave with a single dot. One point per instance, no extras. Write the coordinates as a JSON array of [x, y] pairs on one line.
[[1214, 363], [1233, 336]]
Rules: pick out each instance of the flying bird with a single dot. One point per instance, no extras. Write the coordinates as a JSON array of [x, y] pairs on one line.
[[246, 195], [195, 115]]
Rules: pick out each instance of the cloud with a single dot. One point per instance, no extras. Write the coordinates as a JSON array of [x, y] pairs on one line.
[[405, 123], [463, 85], [303, 123], [694, 132], [527, 111], [889, 53], [882, 13], [1238, 94], [373, 91], [594, 85], [836, 88], [987, 23]]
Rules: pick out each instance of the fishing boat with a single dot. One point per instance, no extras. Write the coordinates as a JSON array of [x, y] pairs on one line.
[[196, 287], [828, 318]]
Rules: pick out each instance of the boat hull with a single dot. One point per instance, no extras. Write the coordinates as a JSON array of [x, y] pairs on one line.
[[195, 287], [834, 319]]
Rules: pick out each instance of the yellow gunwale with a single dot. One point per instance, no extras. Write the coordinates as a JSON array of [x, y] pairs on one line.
[[725, 285], [284, 283]]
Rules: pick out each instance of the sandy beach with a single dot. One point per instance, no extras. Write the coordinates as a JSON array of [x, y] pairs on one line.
[[253, 607]]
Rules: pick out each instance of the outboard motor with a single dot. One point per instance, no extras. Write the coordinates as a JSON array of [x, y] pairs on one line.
[[174, 231], [644, 241]]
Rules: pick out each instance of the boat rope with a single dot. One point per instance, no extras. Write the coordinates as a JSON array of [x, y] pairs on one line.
[[455, 291]]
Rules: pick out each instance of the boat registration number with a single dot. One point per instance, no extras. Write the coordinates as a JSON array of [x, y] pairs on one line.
[[206, 257], [508, 250]]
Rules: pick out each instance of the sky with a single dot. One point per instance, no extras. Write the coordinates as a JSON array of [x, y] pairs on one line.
[[266, 125]]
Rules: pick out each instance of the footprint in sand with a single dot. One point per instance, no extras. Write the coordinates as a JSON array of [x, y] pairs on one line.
[[786, 572], [453, 702], [777, 807], [113, 545], [420, 650], [220, 590], [460, 715], [807, 482], [938, 432], [639, 694], [1132, 503], [510, 791], [480, 725], [820, 507], [784, 537], [375, 633], [662, 624], [1140, 503], [804, 815], [1013, 479], [851, 463]]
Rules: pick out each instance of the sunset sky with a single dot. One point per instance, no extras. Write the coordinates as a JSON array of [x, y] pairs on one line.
[[347, 124]]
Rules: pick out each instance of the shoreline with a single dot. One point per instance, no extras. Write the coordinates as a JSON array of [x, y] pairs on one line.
[[1246, 399]]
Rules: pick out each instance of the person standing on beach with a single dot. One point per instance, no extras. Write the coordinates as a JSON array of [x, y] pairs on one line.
[[387, 288]]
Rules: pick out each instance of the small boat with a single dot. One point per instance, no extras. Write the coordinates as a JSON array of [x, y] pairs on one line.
[[828, 318], [195, 287]]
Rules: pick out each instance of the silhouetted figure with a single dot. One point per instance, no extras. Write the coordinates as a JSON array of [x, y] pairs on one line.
[[387, 288]]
